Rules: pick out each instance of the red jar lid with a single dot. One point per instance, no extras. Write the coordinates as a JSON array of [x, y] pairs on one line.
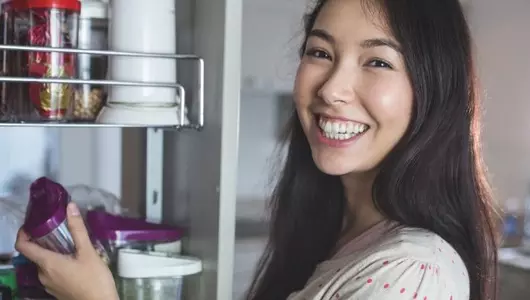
[[16, 4], [73, 5]]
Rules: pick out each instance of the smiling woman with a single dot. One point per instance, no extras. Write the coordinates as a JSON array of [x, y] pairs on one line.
[[360, 82], [383, 194]]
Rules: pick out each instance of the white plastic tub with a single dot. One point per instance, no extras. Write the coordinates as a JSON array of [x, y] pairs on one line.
[[153, 275]]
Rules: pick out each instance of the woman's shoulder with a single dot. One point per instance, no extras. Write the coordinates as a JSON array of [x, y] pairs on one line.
[[408, 247], [416, 244], [407, 263]]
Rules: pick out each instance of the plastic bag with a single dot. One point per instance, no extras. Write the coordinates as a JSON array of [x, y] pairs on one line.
[[90, 198], [12, 210]]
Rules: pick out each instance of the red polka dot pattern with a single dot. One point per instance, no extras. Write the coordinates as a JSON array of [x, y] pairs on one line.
[[393, 278]]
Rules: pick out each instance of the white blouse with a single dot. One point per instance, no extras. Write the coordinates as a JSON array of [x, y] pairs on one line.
[[390, 262]]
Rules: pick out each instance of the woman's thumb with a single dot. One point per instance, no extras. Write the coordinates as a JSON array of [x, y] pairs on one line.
[[78, 230]]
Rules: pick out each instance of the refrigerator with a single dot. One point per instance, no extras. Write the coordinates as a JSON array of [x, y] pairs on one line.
[[180, 177]]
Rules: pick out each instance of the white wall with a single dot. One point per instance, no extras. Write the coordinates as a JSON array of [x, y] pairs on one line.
[[25, 154], [91, 156]]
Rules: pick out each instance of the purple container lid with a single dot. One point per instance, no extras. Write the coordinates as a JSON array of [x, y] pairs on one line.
[[107, 227], [46, 207]]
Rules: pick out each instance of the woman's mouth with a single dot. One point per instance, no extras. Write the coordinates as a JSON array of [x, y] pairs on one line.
[[337, 132]]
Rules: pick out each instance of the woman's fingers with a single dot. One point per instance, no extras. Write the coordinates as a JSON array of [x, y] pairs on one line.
[[78, 230], [81, 277], [32, 251]]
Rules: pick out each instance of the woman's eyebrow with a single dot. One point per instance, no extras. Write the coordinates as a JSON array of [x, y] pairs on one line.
[[369, 43], [381, 42], [322, 34]]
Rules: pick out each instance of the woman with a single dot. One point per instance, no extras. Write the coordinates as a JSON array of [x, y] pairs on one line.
[[383, 195]]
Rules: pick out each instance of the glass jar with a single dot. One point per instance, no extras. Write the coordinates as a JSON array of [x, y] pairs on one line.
[[6, 38], [93, 35], [44, 23], [150, 288], [11, 64]]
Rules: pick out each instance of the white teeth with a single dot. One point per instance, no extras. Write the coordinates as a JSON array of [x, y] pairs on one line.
[[341, 130], [327, 127]]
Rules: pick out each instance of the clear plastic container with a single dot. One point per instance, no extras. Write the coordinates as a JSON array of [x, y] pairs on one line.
[[46, 216], [153, 275], [150, 288], [48, 23], [93, 35]]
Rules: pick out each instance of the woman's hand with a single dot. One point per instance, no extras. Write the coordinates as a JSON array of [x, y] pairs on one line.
[[83, 276]]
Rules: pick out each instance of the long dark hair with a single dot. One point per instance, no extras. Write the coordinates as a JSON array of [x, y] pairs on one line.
[[433, 179]]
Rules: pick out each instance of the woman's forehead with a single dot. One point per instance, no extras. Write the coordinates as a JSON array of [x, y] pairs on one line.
[[351, 22]]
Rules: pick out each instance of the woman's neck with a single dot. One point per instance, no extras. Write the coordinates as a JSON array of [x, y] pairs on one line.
[[361, 213]]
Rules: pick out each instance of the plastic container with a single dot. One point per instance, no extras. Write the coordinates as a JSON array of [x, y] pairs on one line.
[[45, 220], [50, 23], [27, 280], [93, 35], [26, 273], [8, 283], [153, 275], [117, 232], [142, 105], [512, 223], [11, 219]]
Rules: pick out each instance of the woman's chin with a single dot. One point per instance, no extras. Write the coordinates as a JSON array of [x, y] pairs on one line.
[[340, 167]]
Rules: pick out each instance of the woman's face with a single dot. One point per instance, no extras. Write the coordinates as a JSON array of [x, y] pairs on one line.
[[352, 92]]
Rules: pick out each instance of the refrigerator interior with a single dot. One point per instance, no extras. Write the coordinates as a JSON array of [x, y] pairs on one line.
[[186, 177]]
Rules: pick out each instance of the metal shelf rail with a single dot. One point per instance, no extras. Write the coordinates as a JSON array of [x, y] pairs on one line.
[[199, 92], [155, 135]]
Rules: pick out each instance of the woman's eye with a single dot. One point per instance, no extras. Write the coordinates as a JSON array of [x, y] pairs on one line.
[[317, 53], [377, 63]]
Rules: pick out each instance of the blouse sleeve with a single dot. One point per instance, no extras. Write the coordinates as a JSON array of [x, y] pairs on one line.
[[402, 278]]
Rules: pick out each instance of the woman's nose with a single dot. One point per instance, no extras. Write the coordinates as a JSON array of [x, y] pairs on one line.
[[338, 89]]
